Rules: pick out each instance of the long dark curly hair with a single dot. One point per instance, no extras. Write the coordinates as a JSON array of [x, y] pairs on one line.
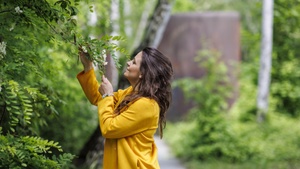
[[155, 83]]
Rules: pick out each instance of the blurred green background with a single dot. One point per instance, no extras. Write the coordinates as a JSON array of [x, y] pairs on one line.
[[46, 119]]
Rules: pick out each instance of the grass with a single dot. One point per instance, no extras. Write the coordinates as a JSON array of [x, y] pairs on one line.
[[246, 165]]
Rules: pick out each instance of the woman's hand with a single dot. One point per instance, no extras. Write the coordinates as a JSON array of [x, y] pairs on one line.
[[87, 64], [105, 87]]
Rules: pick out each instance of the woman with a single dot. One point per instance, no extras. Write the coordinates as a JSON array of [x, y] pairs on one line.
[[129, 118]]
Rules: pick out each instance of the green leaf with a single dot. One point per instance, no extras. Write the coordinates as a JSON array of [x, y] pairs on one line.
[[63, 4], [17, 112]]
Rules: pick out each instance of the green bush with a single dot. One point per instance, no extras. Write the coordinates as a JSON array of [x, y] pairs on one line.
[[213, 132], [27, 100], [209, 134], [272, 140], [285, 83], [240, 135], [30, 152]]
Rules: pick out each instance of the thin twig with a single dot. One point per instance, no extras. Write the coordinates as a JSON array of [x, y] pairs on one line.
[[54, 29], [3, 113], [8, 10]]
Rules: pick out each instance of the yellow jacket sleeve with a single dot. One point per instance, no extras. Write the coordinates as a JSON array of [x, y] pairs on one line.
[[90, 86], [141, 115]]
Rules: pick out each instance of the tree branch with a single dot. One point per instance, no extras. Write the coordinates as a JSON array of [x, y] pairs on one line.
[[53, 29], [8, 10], [3, 113]]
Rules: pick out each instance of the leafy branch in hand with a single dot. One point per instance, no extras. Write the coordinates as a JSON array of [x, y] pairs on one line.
[[97, 49]]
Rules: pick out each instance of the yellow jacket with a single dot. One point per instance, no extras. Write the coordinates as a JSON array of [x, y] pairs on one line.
[[129, 137]]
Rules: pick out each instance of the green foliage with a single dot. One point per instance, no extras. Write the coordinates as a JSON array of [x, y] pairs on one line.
[[76, 118], [21, 105], [233, 135], [97, 50], [271, 141], [273, 144], [30, 152], [285, 84], [26, 103], [260, 145], [39, 42], [209, 135], [38, 88], [213, 164]]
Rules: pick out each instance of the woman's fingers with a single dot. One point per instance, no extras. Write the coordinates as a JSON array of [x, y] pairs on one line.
[[104, 79], [87, 64], [105, 86]]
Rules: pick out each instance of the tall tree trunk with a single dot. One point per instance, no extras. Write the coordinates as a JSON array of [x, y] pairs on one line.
[[92, 151], [154, 30], [156, 25], [265, 60], [111, 70], [142, 25]]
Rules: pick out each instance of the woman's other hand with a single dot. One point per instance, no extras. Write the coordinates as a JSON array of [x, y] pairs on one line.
[[105, 87], [87, 64]]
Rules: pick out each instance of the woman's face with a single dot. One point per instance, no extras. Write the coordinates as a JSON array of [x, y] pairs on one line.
[[132, 72]]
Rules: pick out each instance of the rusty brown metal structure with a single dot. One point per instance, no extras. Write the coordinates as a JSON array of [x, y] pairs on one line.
[[188, 33]]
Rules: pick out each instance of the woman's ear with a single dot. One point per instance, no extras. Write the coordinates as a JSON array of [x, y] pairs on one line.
[[140, 76]]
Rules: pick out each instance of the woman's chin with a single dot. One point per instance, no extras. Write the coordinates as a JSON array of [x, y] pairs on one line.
[[125, 73]]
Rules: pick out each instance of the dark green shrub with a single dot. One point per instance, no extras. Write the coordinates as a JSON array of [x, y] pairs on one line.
[[30, 152], [213, 132], [210, 135]]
